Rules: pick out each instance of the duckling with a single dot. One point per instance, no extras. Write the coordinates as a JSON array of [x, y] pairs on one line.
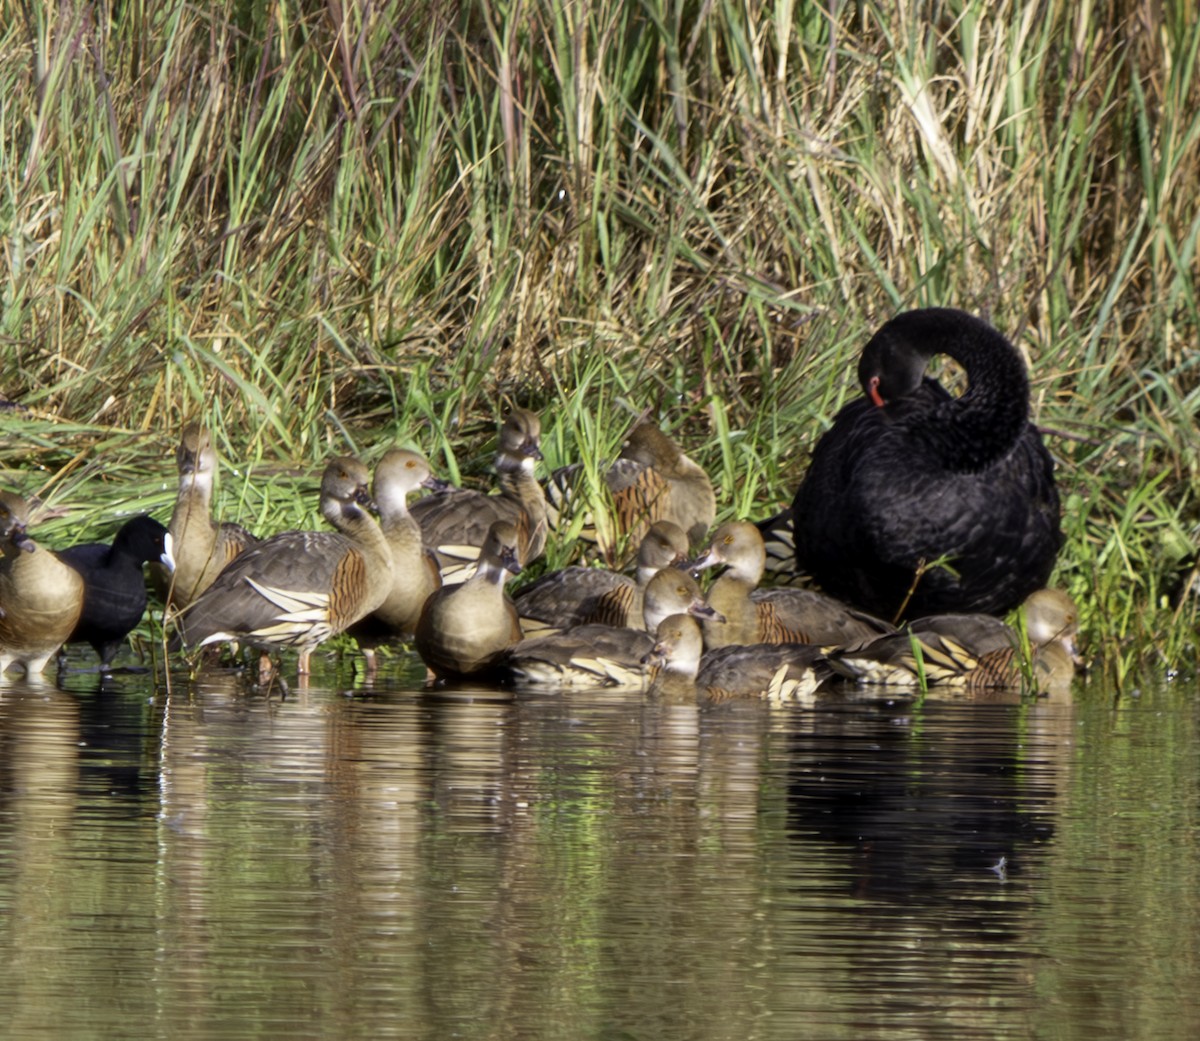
[[114, 598], [975, 652], [776, 672], [201, 546], [299, 588], [598, 655], [455, 522], [754, 615], [415, 573], [464, 627], [580, 595], [40, 597]]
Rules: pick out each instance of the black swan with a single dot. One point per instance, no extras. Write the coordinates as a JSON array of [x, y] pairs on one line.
[[917, 502]]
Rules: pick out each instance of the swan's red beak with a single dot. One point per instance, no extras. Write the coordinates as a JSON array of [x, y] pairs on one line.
[[873, 392]]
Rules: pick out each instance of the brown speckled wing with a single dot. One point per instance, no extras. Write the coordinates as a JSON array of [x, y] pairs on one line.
[[531, 538], [347, 588], [292, 561], [235, 540], [773, 629], [810, 617], [640, 496], [615, 607], [514, 629], [576, 596], [995, 669]]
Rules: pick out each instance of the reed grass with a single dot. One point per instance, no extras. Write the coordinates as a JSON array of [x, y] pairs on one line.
[[323, 227]]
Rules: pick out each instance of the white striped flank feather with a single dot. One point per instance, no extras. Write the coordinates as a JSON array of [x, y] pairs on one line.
[[458, 562], [785, 686], [582, 672], [303, 618]]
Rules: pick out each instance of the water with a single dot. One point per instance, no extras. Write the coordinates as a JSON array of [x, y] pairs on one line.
[[350, 863]]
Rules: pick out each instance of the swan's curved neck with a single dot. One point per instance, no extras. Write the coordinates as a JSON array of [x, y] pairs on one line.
[[969, 432]]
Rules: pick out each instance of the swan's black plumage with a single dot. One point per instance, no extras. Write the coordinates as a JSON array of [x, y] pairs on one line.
[[114, 598], [909, 474]]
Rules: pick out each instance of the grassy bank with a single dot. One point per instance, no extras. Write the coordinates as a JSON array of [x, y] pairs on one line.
[[324, 227]]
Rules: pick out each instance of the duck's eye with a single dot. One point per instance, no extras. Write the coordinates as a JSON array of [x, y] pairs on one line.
[[728, 540]]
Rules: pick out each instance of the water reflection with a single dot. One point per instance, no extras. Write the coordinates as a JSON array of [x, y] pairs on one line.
[[386, 863], [921, 833], [39, 734]]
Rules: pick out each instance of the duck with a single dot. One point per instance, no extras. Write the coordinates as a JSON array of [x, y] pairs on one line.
[[455, 521], [201, 545], [651, 480], [464, 626], [114, 583], [909, 478], [415, 573], [757, 616], [580, 595], [654, 480], [597, 655], [976, 652], [776, 672], [586, 657], [41, 597], [296, 589]]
